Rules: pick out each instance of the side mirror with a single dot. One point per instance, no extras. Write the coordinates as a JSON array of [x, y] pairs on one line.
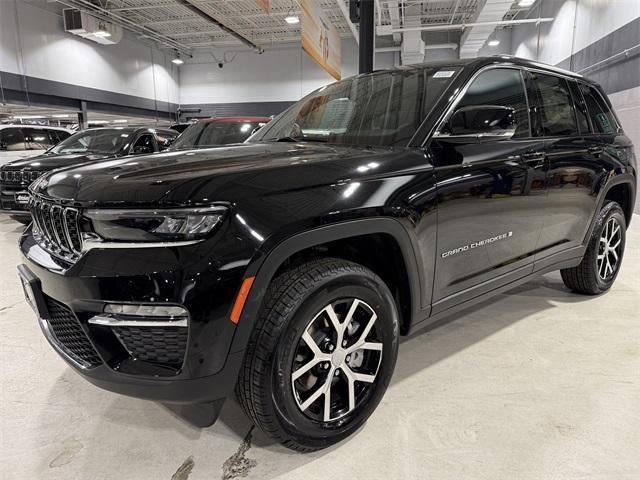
[[481, 121], [141, 149]]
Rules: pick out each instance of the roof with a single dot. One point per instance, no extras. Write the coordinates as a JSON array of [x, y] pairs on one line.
[[236, 119], [21, 125], [130, 129]]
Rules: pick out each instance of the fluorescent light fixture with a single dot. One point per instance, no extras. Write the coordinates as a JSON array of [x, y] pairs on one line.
[[60, 115], [292, 18], [178, 61], [493, 43], [27, 117], [526, 3], [121, 120]]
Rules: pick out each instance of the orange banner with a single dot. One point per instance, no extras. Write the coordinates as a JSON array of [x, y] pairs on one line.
[[320, 39]]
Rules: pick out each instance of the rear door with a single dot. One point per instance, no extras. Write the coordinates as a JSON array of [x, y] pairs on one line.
[[491, 192], [574, 165]]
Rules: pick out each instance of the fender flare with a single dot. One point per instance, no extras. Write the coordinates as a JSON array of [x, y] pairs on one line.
[[265, 271], [619, 179]]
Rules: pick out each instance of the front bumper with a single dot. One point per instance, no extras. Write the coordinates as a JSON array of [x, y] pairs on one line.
[[185, 276], [10, 196]]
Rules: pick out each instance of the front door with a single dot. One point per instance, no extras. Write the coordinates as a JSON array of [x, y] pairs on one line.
[[490, 174]]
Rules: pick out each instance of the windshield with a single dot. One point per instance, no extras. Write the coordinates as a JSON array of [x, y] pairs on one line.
[[384, 108], [103, 141], [213, 134]]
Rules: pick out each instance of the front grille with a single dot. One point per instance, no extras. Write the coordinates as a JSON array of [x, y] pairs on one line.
[[56, 228], [69, 336], [165, 345], [19, 176]]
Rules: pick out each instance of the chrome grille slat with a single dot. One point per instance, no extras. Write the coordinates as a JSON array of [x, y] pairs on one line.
[[57, 229]]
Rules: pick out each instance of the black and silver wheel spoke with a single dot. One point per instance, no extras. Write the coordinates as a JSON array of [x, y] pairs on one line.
[[609, 249], [337, 360]]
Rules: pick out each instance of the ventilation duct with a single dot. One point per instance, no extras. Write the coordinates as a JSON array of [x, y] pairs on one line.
[[91, 28], [474, 38]]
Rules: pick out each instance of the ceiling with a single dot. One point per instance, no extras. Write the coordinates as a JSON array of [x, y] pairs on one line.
[[175, 26]]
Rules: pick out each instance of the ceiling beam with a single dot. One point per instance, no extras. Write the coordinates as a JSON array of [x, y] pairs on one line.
[[388, 30]]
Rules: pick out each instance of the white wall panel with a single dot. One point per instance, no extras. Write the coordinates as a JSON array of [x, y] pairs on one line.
[[130, 67], [285, 74]]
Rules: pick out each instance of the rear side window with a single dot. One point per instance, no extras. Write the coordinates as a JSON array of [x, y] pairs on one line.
[[39, 139], [58, 135], [501, 87], [11, 140], [556, 109], [601, 116]]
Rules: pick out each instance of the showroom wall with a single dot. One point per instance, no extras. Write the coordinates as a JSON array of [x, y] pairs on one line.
[[36, 55], [599, 39], [260, 84]]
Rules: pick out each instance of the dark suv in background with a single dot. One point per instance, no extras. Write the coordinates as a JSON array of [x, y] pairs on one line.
[[286, 268], [86, 146]]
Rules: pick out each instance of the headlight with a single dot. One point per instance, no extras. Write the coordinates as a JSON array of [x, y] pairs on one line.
[[155, 225]]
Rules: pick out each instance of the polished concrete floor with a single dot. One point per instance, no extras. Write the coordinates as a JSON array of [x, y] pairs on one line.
[[535, 384]]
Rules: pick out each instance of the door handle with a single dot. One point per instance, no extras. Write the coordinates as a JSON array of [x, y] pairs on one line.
[[595, 150], [537, 157]]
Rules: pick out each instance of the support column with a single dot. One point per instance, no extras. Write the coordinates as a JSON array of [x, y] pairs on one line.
[[82, 116], [366, 46]]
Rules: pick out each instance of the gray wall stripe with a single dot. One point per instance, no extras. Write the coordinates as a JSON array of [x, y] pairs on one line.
[[44, 92], [622, 73]]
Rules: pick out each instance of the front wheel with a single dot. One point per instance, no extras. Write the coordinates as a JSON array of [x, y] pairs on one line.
[[601, 262], [321, 355]]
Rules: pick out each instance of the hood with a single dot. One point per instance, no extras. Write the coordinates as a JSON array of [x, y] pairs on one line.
[[199, 177], [47, 162]]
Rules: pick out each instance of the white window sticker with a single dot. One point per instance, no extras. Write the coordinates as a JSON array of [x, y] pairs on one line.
[[443, 74]]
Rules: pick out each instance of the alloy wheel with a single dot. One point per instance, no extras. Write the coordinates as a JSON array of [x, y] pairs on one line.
[[609, 249], [337, 360]]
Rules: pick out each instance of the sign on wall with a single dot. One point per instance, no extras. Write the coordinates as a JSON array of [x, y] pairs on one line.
[[320, 39], [264, 4]]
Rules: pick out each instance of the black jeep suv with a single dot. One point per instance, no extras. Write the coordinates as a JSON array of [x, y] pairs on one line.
[[286, 268], [86, 146]]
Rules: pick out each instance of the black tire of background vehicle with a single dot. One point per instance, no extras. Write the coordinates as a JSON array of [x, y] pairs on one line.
[[292, 300], [584, 278]]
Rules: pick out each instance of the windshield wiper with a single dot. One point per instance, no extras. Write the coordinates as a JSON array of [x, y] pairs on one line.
[[296, 139]]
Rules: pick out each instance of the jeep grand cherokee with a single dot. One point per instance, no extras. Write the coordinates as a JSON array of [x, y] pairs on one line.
[[287, 268]]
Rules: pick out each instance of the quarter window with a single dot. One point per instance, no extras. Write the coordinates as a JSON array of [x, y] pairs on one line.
[[556, 111], [500, 87], [601, 116]]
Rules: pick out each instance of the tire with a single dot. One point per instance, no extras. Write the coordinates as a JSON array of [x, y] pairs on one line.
[[592, 276], [296, 304]]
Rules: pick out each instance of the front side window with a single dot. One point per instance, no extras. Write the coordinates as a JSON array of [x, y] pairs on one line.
[[12, 140], [107, 141], [494, 103], [165, 139], [39, 139], [144, 144], [384, 108], [601, 116], [556, 109]]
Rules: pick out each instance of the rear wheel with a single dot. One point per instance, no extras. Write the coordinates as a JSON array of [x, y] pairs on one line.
[[601, 262], [321, 355]]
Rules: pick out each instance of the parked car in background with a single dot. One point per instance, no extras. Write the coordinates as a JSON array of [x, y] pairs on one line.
[[213, 132], [180, 127], [23, 141], [85, 146]]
